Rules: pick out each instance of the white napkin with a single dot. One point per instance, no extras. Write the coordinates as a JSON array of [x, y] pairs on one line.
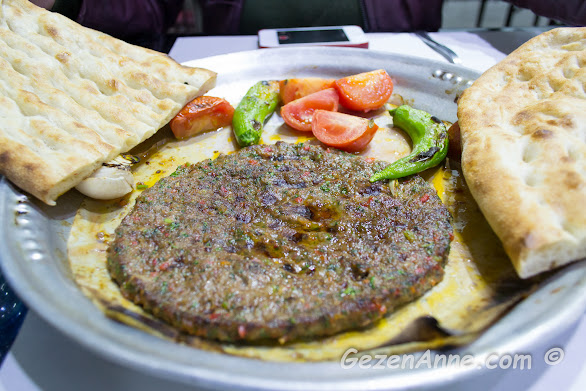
[[475, 52]]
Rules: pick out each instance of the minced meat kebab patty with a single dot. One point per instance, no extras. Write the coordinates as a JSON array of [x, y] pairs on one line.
[[280, 242]]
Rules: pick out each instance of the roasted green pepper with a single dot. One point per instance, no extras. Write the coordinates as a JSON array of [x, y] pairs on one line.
[[430, 143], [259, 103]]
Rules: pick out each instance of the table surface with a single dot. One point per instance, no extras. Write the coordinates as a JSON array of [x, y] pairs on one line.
[[44, 359]]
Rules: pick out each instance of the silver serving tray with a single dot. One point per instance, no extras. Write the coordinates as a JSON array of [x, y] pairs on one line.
[[33, 252]]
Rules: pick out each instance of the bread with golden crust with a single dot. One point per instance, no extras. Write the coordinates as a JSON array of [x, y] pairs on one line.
[[72, 98], [523, 129]]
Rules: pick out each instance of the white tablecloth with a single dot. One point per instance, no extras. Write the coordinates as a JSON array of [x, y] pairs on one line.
[[475, 52], [43, 359]]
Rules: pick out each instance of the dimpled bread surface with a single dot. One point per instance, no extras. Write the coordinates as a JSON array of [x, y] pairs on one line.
[[523, 125], [72, 98]]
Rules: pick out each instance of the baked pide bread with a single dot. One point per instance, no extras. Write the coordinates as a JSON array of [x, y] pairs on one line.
[[72, 98], [523, 128]]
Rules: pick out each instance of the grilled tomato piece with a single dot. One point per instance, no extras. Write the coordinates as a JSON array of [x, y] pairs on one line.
[[201, 114]]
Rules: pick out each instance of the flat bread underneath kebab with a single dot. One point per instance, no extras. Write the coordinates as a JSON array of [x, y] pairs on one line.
[[72, 98], [523, 125]]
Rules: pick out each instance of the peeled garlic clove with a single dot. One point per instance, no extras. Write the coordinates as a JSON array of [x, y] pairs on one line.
[[107, 182]]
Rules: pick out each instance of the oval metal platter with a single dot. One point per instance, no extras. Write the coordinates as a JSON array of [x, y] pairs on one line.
[[33, 252]]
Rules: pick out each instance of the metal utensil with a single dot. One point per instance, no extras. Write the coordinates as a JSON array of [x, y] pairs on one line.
[[446, 52], [33, 249]]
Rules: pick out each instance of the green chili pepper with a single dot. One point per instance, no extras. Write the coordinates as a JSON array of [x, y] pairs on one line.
[[430, 143], [259, 103]]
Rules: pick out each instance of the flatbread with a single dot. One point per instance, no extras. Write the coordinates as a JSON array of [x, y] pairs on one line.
[[523, 127], [72, 98]]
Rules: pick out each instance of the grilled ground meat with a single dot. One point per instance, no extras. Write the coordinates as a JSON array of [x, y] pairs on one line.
[[279, 242]]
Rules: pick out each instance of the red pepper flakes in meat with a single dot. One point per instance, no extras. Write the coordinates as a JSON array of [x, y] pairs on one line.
[[341, 252]]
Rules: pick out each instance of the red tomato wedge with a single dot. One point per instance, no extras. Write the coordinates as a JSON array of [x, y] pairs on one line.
[[201, 114], [343, 131], [292, 89], [365, 91], [298, 114]]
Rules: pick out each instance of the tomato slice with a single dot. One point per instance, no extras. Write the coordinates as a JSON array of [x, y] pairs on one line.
[[201, 114], [365, 91], [298, 114], [343, 131], [292, 89]]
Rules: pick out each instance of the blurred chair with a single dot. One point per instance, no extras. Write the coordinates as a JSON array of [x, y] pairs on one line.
[[510, 14]]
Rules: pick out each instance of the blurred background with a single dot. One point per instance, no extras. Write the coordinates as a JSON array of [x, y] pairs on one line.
[[457, 14]]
